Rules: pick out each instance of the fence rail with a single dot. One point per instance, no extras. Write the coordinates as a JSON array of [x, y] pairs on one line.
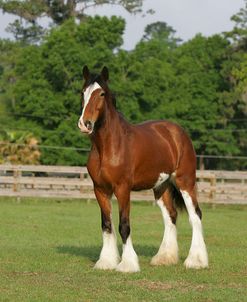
[[74, 182]]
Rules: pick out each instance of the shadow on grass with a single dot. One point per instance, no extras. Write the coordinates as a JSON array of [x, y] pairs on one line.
[[92, 252], [146, 250]]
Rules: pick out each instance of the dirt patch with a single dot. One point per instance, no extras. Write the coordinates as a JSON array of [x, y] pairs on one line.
[[25, 273], [181, 286], [154, 285]]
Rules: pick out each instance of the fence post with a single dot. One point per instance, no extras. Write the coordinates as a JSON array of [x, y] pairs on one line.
[[16, 182], [16, 185], [81, 179], [212, 187]]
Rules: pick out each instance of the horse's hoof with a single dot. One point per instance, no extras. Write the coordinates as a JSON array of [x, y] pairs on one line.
[[128, 267], [164, 259], [105, 264], [196, 261]]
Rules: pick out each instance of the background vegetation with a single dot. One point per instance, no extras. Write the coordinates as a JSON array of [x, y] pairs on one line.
[[201, 83]]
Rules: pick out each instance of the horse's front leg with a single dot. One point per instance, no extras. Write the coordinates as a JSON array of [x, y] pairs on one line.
[[109, 256], [129, 262]]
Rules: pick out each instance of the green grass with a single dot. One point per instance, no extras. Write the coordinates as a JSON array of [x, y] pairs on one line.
[[48, 249]]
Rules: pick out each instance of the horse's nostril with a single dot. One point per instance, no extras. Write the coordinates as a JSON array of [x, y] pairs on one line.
[[89, 125]]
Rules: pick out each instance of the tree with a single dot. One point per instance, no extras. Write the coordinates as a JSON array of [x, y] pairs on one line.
[[161, 31], [26, 29], [142, 77], [235, 72], [182, 84], [238, 35], [26, 34], [9, 53], [18, 148], [49, 82], [203, 113], [201, 84]]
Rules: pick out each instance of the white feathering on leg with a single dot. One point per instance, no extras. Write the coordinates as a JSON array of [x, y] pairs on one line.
[[109, 255], [168, 251], [129, 263], [198, 257]]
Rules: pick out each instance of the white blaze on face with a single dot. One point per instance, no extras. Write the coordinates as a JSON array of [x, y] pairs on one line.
[[87, 95]]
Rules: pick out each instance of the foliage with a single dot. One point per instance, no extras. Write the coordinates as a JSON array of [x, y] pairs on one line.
[[181, 84], [235, 71], [161, 31], [49, 82], [18, 148], [25, 34], [239, 32], [61, 10], [198, 65], [27, 30], [201, 83], [9, 52]]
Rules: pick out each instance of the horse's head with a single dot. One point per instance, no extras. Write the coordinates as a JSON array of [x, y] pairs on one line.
[[94, 95]]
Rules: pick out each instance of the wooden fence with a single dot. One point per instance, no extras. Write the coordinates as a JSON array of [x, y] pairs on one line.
[[74, 182]]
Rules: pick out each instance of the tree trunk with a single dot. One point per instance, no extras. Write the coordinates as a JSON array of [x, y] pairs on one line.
[[71, 8]]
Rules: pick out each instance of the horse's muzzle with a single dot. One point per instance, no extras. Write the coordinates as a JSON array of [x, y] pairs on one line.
[[89, 125], [86, 127]]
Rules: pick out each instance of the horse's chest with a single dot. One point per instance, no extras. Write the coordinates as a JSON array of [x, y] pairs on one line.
[[103, 175]]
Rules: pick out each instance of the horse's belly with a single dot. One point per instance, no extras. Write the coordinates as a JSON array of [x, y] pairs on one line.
[[150, 178], [142, 186], [150, 168]]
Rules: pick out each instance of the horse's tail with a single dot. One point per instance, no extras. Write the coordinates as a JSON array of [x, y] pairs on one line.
[[177, 197]]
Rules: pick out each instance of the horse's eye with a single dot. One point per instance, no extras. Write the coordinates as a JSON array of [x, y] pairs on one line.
[[102, 93]]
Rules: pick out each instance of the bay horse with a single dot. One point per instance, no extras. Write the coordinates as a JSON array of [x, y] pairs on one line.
[[156, 155]]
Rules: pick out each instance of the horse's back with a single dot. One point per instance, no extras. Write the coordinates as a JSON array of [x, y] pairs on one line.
[[181, 147], [169, 132]]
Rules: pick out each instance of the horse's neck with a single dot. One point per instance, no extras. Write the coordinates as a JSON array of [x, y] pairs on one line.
[[109, 135]]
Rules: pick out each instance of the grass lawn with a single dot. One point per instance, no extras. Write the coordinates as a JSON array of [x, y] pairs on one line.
[[48, 249]]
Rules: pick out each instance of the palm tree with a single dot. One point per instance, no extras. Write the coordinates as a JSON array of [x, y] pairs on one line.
[[18, 147]]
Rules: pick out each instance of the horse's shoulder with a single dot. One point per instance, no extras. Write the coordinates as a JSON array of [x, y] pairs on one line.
[[93, 161]]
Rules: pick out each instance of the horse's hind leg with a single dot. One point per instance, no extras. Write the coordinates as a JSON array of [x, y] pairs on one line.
[[198, 257], [109, 256], [168, 251]]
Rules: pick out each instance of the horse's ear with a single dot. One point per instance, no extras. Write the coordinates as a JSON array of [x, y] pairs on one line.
[[105, 74], [85, 73]]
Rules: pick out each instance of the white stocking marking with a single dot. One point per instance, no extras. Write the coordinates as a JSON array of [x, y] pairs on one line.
[[129, 263], [198, 257], [109, 256], [168, 251]]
